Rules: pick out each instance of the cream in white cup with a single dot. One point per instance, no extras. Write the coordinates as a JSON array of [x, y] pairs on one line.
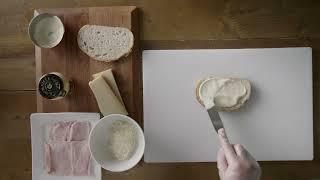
[[46, 30]]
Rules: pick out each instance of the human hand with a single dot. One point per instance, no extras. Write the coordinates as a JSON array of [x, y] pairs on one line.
[[235, 162]]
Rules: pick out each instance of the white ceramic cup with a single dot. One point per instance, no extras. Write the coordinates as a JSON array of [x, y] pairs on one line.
[[46, 30]]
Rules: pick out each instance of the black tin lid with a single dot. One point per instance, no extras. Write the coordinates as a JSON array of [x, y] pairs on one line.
[[51, 86]]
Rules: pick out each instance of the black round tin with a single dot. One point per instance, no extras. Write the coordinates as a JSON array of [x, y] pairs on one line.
[[51, 86]]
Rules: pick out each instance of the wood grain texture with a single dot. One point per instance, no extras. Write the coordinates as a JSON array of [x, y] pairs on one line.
[[16, 107], [69, 60], [18, 131], [180, 19], [163, 24], [15, 146], [21, 69], [16, 160]]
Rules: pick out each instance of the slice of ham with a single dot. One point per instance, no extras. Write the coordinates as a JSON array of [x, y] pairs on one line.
[[67, 152], [47, 156], [59, 157], [68, 158], [59, 131], [79, 131], [81, 158]]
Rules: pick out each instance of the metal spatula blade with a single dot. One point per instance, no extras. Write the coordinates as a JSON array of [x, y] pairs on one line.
[[215, 119]]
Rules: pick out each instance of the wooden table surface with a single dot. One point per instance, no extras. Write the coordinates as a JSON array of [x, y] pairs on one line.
[[164, 24]]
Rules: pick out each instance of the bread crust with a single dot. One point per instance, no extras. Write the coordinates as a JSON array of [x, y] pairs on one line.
[[242, 100], [101, 58]]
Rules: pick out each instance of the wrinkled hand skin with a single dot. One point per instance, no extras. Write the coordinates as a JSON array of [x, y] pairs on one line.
[[235, 162]]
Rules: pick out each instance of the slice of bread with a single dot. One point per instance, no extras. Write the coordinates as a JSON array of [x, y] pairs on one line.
[[104, 43], [241, 101]]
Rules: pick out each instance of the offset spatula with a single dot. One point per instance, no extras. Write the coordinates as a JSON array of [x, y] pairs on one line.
[[215, 119]]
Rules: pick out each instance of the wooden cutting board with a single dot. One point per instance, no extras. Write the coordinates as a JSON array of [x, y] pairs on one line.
[[69, 60]]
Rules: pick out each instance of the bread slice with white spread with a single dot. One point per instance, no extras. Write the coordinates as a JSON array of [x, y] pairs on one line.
[[223, 93], [104, 43]]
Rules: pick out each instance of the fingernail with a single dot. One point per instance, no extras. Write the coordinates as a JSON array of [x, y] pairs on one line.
[[221, 131]]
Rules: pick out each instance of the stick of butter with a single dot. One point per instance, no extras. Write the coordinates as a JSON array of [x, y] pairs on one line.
[[107, 101], [109, 78]]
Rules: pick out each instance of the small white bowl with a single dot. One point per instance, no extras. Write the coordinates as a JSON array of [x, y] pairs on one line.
[[46, 30], [98, 144]]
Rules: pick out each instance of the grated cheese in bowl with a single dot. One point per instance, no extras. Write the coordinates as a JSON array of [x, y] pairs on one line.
[[122, 139], [117, 142]]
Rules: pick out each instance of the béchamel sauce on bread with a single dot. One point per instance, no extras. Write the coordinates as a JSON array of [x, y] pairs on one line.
[[223, 93]]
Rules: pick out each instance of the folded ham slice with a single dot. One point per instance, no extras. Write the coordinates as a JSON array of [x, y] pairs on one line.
[[59, 131], [69, 131], [67, 152], [47, 156], [68, 158], [59, 158], [79, 131], [81, 158]]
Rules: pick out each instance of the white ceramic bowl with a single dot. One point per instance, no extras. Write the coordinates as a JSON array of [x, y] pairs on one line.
[[46, 30], [98, 143]]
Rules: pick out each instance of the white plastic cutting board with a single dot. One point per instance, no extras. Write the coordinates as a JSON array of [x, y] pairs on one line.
[[275, 124]]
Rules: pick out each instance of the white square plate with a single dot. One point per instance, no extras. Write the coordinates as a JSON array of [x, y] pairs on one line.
[[39, 137]]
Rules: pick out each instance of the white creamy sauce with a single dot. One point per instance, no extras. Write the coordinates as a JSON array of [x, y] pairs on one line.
[[48, 31], [221, 92]]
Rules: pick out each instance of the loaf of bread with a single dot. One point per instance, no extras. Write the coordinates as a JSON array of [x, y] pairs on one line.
[[228, 93], [104, 43]]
